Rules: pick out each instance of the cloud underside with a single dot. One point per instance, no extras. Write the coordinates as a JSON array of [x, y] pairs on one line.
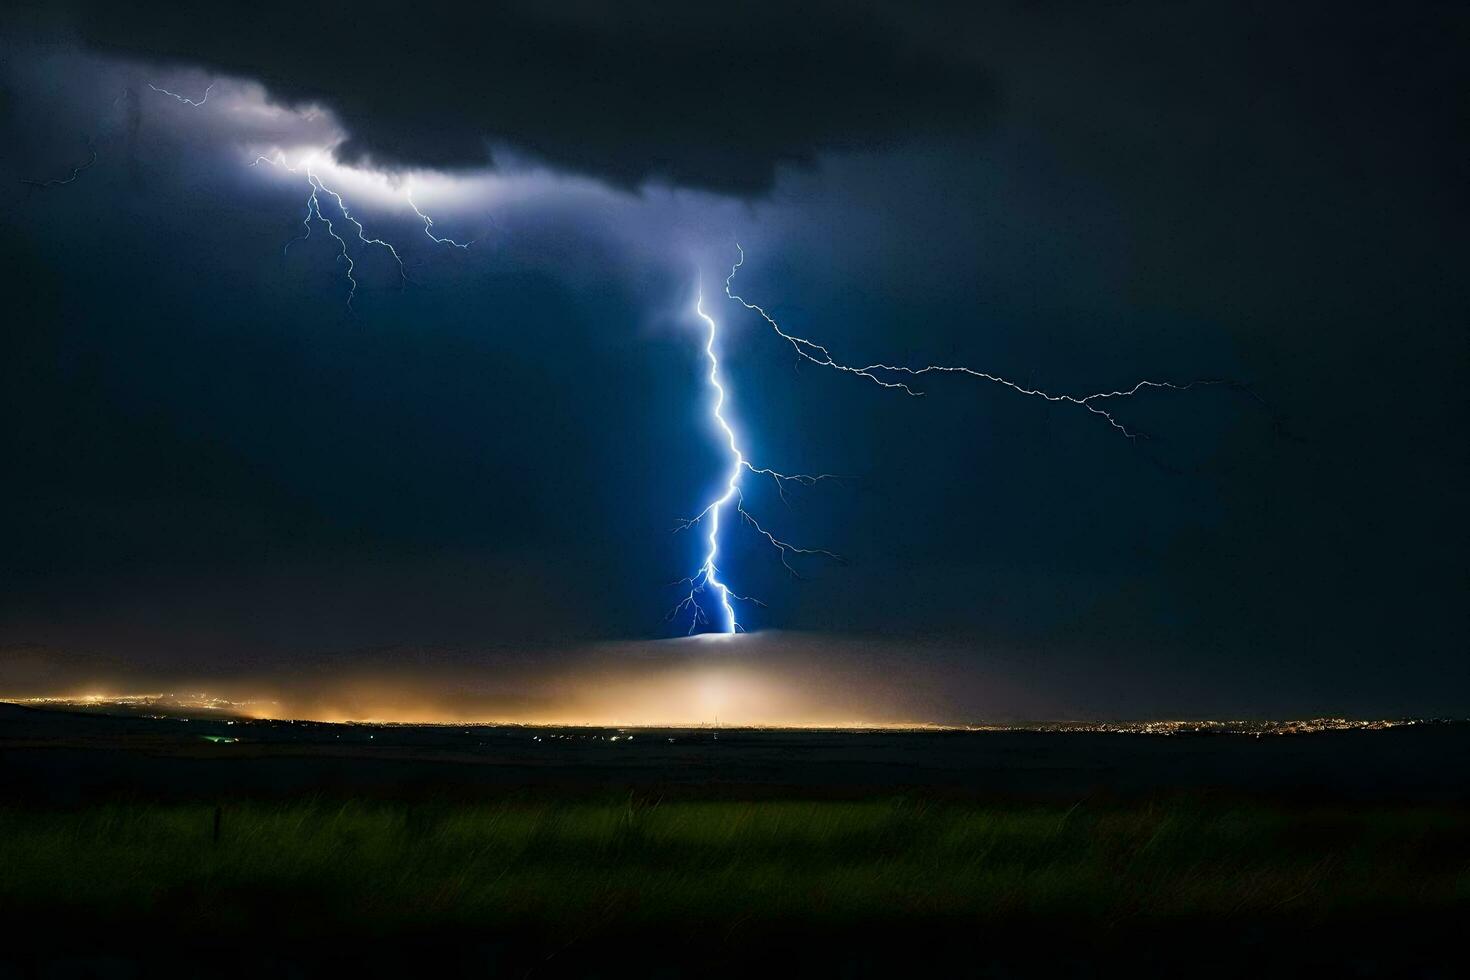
[[701, 96]]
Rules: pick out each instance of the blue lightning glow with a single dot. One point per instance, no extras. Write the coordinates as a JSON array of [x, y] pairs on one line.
[[705, 582], [707, 578]]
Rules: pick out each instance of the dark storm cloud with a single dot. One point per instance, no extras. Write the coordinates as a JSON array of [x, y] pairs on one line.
[[698, 94]]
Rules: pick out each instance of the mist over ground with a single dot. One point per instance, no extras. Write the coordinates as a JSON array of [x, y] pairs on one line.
[[770, 678]]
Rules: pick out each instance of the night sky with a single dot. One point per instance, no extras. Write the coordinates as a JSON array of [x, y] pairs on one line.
[[212, 467]]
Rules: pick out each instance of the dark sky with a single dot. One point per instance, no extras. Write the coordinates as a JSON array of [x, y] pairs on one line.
[[210, 465]]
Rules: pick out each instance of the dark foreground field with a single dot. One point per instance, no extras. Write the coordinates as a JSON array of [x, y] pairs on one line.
[[137, 848]]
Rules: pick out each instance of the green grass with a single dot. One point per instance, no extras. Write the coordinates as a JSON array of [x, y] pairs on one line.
[[397, 867]]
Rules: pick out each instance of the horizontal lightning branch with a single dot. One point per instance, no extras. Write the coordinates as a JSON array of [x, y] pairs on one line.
[[893, 375], [193, 104]]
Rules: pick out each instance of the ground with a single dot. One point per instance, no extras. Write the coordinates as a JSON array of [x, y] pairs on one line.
[[146, 850]]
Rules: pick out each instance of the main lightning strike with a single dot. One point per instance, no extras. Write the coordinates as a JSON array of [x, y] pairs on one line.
[[706, 581], [887, 375]]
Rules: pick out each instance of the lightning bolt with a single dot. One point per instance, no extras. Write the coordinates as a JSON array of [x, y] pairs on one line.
[[705, 583], [188, 102], [894, 375], [314, 212], [76, 172], [705, 586], [429, 225]]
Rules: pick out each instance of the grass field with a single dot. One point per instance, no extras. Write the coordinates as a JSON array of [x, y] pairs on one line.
[[580, 867], [403, 851]]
